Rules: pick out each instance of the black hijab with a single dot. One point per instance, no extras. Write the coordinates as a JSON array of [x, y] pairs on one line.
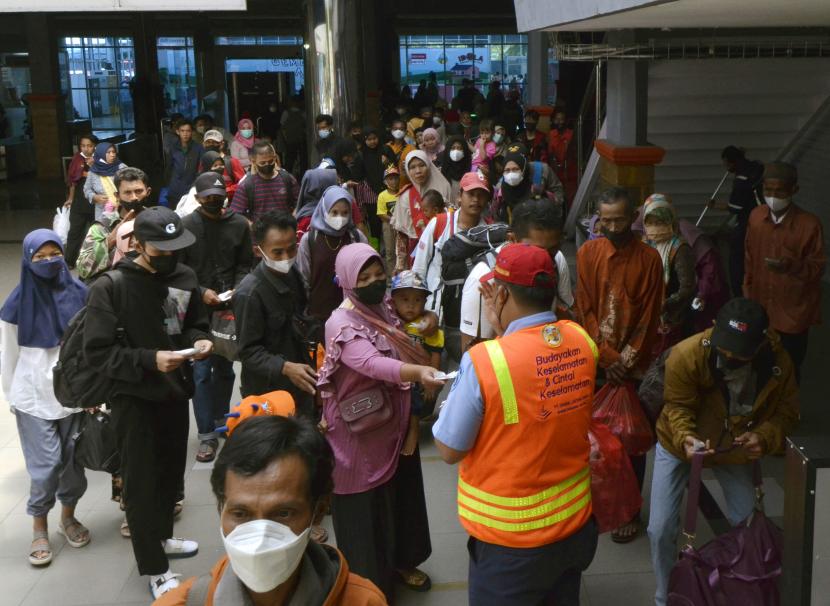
[[372, 162], [453, 171]]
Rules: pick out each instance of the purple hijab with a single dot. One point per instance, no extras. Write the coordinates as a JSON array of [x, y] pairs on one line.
[[46, 298], [332, 196]]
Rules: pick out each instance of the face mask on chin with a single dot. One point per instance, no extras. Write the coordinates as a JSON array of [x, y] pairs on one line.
[[777, 205], [264, 554]]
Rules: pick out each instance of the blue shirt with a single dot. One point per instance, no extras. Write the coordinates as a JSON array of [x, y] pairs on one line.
[[461, 415]]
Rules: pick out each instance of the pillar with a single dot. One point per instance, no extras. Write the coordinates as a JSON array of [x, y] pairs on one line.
[[536, 79], [45, 102], [627, 159], [334, 65]]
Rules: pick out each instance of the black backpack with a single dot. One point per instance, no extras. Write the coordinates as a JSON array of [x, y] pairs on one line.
[[464, 250], [76, 383]]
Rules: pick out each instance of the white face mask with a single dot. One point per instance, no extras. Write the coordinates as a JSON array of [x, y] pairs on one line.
[[323, 133], [282, 267], [777, 204], [456, 155], [513, 178], [336, 223], [264, 553], [497, 138], [398, 134]]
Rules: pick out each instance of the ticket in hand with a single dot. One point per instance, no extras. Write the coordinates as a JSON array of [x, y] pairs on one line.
[[225, 296], [445, 376]]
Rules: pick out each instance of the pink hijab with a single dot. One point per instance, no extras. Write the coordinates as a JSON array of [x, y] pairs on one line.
[[437, 149], [243, 124]]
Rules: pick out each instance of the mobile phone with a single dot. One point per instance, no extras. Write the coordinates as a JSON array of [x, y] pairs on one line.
[[225, 296]]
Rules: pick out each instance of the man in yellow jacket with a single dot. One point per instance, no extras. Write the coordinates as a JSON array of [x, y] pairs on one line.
[[730, 392], [517, 419]]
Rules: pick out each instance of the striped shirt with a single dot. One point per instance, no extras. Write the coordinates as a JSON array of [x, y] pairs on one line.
[[278, 193]]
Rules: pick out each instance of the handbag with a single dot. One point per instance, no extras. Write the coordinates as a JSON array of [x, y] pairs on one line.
[[223, 331], [366, 411], [736, 568], [96, 445]]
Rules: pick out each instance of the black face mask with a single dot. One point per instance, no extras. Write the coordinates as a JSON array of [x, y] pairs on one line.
[[220, 170], [136, 206], [266, 170], [214, 208], [372, 293], [163, 264]]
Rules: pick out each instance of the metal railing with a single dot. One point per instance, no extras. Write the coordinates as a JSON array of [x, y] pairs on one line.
[[584, 137], [796, 146]]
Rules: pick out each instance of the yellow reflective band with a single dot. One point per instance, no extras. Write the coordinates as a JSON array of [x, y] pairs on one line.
[[525, 526], [508, 395], [524, 514], [588, 338], [523, 501]]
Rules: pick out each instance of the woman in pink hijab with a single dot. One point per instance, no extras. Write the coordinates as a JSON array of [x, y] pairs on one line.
[[378, 506], [124, 241], [242, 142], [433, 146]]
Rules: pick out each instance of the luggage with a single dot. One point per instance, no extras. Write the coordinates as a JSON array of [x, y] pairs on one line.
[[739, 568]]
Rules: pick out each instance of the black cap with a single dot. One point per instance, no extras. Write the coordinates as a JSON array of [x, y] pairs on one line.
[[162, 228], [740, 328], [210, 184]]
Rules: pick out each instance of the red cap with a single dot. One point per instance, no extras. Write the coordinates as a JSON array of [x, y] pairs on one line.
[[475, 180], [523, 265]]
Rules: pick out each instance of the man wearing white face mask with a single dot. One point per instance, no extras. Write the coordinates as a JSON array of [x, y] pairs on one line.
[[785, 261], [272, 481], [272, 333]]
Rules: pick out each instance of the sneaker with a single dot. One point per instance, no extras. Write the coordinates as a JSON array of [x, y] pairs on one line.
[[180, 548], [162, 583]]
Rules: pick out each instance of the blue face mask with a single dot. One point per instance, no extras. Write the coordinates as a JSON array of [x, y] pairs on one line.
[[246, 132], [49, 268]]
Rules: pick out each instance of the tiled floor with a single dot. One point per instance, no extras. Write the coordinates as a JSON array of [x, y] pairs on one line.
[[104, 572]]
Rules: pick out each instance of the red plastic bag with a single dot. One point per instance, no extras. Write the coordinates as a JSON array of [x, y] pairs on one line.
[[615, 494], [618, 407]]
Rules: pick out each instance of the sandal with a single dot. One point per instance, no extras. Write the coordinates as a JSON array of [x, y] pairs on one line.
[[627, 532], [40, 545], [207, 451], [125, 529], [76, 534], [416, 580]]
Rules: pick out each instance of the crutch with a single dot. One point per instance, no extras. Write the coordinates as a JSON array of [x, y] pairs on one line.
[[712, 199]]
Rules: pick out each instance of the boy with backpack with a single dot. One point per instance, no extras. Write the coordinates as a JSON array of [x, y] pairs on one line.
[[445, 298]]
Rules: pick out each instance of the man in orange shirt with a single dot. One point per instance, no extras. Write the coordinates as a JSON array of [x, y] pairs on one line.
[[560, 155], [272, 481], [619, 295], [785, 261]]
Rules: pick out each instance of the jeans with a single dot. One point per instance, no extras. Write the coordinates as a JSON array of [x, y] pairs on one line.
[[214, 379], [49, 452], [550, 574], [668, 484]]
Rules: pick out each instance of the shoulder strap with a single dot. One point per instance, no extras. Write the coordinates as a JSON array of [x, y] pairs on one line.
[[537, 175], [197, 595], [440, 225]]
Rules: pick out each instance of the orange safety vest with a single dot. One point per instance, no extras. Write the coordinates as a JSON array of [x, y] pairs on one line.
[[526, 482]]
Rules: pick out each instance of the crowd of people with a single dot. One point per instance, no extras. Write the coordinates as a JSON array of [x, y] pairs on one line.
[[404, 252]]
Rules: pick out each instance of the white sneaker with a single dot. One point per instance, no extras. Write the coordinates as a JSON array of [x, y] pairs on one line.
[[162, 583], [180, 548]]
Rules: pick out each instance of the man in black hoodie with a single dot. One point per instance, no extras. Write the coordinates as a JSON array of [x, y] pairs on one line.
[[221, 256], [138, 324]]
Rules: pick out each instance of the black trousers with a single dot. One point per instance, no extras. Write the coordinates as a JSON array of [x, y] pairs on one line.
[[536, 576], [796, 346], [152, 438], [79, 222], [385, 528]]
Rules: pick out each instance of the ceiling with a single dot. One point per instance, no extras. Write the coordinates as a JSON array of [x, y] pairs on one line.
[[595, 15]]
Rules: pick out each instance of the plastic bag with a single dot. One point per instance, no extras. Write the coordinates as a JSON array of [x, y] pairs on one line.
[[96, 446], [223, 331], [60, 224], [615, 494], [618, 407]]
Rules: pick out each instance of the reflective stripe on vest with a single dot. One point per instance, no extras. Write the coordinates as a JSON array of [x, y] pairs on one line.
[[508, 395], [484, 514], [588, 338]]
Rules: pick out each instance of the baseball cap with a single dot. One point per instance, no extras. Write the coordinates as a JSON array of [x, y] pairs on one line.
[[740, 327], [408, 279], [162, 228], [210, 184], [475, 180], [392, 170], [523, 265], [213, 135]]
